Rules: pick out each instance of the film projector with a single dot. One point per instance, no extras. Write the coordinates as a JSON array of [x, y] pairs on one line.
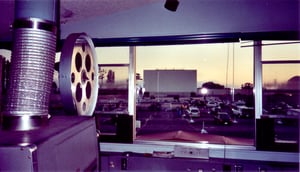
[[67, 142]]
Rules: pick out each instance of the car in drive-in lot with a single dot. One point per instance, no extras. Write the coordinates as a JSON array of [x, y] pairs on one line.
[[243, 111], [194, 112], [211, 104], [223, 118]]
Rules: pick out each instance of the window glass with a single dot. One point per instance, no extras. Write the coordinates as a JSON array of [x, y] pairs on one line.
[[112, 55], [203, 91], [281, 90], [113, 86], [281, 76], [280, 50], [5, 54]]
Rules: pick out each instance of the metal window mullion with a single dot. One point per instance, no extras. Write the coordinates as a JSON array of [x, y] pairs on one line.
[[258, 79], [132, 86], [281, 62]]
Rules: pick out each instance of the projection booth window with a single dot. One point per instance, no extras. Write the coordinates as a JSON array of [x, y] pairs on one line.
[[281, 88], [195, 93], [202, 92], [113, 63]]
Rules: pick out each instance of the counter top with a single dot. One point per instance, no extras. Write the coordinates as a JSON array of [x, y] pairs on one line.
[[239, 152]]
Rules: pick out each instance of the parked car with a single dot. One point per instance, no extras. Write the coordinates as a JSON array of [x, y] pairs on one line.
[[212, 104], [188, 116], [247, 112], [194, 112], [223, 118], [236, 110], [243, 111], [293, 112]]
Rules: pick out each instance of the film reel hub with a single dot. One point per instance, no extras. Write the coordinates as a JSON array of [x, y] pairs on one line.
[[78, 70]]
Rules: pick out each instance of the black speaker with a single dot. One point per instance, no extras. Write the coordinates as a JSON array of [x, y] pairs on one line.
[[265, 134], [171, 5]]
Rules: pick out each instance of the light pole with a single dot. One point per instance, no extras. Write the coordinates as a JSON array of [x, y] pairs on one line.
[[204, 92]]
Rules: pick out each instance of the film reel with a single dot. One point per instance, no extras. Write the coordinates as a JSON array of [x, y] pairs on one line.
[[78, 75]]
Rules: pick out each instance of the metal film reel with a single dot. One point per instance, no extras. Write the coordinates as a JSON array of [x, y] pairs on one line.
[[78, 75]]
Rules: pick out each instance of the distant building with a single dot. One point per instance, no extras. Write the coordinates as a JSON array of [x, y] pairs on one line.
[[170, 81]]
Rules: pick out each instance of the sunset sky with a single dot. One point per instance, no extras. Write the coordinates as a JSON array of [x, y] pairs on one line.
[[213, 62], [210, 61]]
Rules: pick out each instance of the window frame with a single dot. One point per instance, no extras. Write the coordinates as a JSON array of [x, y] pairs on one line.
[[199, 39]]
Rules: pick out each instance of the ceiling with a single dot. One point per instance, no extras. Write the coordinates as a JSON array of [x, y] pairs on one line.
[[71, 10], [80, 9]]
